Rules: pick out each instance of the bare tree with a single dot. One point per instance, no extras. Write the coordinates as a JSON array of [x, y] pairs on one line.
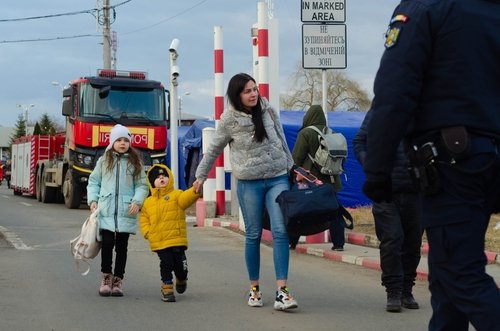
[[342, 92]]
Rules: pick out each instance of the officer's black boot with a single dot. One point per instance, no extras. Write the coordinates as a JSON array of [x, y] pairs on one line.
[[408, 301], [393, 301]]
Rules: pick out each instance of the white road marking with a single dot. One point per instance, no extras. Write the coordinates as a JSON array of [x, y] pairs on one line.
[[14, 239]]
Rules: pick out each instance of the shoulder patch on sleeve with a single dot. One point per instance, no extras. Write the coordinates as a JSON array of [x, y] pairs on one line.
[[391, 37]]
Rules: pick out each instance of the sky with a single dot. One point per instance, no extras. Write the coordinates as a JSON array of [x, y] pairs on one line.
[[145, 29]]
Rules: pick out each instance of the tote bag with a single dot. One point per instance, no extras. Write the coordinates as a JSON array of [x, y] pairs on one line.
[[88, 243]]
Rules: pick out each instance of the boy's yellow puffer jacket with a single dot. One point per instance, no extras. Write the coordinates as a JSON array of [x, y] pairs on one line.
[[162, 220]]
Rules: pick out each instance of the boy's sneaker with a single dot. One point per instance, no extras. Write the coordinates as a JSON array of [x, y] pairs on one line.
[[255, 297], [167, 293], [117, 290], [284, 300], [180, 285], [106, 284]]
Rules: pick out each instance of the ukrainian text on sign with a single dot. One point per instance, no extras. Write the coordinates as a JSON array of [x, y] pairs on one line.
[[324, 46]]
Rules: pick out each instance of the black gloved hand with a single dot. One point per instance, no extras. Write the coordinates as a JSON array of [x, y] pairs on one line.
[[378, 191]]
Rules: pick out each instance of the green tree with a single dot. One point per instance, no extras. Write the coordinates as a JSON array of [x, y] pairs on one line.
[[36, 130], [19, 129], [307, 89], [46, 124]]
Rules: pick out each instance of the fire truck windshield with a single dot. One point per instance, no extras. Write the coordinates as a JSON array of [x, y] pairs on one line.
[[122, 102]]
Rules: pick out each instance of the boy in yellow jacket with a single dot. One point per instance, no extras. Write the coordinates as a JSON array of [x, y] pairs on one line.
[[163, 224]]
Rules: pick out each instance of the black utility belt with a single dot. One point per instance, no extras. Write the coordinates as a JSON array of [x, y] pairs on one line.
[[448, 145], [451, 145]]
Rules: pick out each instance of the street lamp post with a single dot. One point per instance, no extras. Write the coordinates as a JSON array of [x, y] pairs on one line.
[[180, 106], [174, 111], [25, 108], [57, 84]]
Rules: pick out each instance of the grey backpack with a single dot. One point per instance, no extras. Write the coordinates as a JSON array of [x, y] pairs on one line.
[[331, 153]]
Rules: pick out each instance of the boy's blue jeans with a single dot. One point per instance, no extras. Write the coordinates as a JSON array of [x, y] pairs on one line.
[[253, 195]]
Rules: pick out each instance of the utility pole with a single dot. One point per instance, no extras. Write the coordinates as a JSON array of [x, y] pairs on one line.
[[114, 46], [106, 40]]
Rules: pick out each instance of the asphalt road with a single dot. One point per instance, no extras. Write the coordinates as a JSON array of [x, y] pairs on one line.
[[40, 288]]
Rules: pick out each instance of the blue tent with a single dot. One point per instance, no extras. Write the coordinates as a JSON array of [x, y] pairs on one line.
[[347, 123]]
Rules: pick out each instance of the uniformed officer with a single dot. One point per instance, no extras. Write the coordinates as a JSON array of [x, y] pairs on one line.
[[438, 86]]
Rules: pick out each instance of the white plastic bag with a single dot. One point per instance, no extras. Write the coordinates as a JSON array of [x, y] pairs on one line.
[[88, 244]]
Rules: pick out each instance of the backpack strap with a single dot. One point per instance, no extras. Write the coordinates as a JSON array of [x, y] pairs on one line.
[[316, 129], [321, 134]]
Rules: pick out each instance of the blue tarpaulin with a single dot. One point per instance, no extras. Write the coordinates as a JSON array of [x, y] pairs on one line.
[[346, 123]]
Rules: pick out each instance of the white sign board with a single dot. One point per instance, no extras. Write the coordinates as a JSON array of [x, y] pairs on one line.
[[323, 11], [324, 46]]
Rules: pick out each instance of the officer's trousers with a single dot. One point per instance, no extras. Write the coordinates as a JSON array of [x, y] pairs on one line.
[[461, 290]]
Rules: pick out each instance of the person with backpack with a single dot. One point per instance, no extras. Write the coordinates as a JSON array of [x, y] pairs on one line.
[[303, 153], [118, 186]]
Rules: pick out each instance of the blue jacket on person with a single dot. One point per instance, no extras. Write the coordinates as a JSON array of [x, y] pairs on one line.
[[114, 191]]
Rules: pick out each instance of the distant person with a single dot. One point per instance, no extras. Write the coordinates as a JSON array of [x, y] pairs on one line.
[[163, 224], [306, 144], [261, 163], [398, 228], [8, 172], [117, 186], [440, 92]]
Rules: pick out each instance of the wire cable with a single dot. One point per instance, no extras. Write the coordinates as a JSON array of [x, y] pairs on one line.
[[167, 19], [48, 39]]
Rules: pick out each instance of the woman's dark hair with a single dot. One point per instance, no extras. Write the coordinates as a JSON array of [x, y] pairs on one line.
[[234, 89]]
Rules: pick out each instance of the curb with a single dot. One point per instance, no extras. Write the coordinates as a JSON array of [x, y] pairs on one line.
[[357, 238], [365, 262], [353, 238], [367, 240]]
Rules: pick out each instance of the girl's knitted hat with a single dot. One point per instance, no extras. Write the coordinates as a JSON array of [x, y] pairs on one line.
[[117, 132]]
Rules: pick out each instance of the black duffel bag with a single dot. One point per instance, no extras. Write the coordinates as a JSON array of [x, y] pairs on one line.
[[310, 210]]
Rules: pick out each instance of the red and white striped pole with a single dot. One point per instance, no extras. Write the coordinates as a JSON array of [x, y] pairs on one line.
[[263, 48], [220, 189], [263, 64]]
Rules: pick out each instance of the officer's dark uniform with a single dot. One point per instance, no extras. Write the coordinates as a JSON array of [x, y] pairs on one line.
[[441, 70]]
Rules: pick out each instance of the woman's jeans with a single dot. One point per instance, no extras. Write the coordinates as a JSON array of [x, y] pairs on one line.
[[253, 196]]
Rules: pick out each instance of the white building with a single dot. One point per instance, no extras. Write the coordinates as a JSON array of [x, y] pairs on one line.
[[5, 134]]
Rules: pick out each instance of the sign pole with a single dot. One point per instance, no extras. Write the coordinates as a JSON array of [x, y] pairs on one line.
[[325, 92]]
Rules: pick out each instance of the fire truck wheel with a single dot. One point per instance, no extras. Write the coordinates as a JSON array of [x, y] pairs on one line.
[[47, 194], [71, 190], [37, 184]]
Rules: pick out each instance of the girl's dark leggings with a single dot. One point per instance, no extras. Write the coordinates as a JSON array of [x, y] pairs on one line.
[[118, 241]]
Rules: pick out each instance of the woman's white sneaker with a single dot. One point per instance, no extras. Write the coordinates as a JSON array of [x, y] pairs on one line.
[[284, 300], [255, 297]]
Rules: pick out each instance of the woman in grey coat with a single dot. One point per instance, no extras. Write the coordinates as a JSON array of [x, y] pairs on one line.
[[261, 161]]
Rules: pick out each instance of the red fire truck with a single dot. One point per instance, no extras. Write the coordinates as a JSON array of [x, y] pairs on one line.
[[57, 167]]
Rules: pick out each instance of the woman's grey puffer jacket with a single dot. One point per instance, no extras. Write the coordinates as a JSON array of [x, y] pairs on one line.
[[249, 159]]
